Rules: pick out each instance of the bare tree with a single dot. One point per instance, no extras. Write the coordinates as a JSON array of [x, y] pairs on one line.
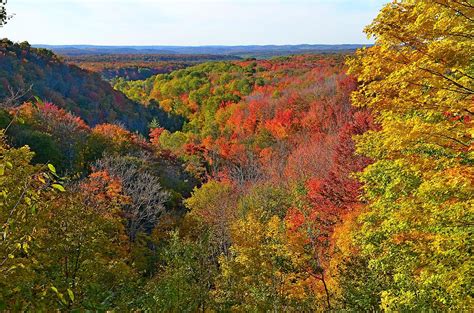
[[245, 170], [147, 196], [13, 100], [15, 97]]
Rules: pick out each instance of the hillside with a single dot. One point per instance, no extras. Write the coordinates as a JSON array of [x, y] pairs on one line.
[[81, 92]]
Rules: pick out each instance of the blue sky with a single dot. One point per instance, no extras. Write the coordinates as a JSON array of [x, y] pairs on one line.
[[190, 22]]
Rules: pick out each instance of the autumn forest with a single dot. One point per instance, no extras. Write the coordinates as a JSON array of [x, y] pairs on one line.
[[330, 181]]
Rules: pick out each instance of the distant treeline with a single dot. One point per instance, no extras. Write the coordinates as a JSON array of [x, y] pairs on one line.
[[140, 66], [149, 58], [256, 51]]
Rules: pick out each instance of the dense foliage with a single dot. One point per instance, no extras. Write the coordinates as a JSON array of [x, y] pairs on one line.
[[296, 184], [272, 140], [415, 234]]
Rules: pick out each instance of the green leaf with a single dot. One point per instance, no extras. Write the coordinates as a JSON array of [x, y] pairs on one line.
[[58, 187], [9, 165], [61, 297], [39, 100], [2, 170], [54, 289], [25, 247], [52, 168], [71, 294]]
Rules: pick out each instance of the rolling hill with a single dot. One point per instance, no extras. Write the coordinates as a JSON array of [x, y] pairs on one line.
[[79, 91]]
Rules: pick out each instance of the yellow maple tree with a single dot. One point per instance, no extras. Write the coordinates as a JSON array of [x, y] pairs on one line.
[[414, 234]]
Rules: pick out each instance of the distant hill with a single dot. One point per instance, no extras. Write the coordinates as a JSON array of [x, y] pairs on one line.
[[82, 92], [257, 51]]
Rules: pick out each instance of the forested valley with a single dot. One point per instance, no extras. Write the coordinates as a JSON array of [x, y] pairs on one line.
[[336, 182]]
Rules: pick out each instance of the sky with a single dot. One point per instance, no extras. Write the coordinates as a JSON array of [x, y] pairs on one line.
[[190, 22]]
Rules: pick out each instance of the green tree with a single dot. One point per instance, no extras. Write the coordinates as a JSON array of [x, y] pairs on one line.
[[184, 279]]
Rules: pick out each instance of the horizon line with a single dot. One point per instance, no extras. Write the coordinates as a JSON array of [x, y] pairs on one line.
[[206, 45]]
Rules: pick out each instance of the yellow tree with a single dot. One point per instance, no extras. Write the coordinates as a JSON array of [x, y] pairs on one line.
[[58, 249], [23, 188], [212, 207], [266, 269], [262, 273], [414, 234]]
